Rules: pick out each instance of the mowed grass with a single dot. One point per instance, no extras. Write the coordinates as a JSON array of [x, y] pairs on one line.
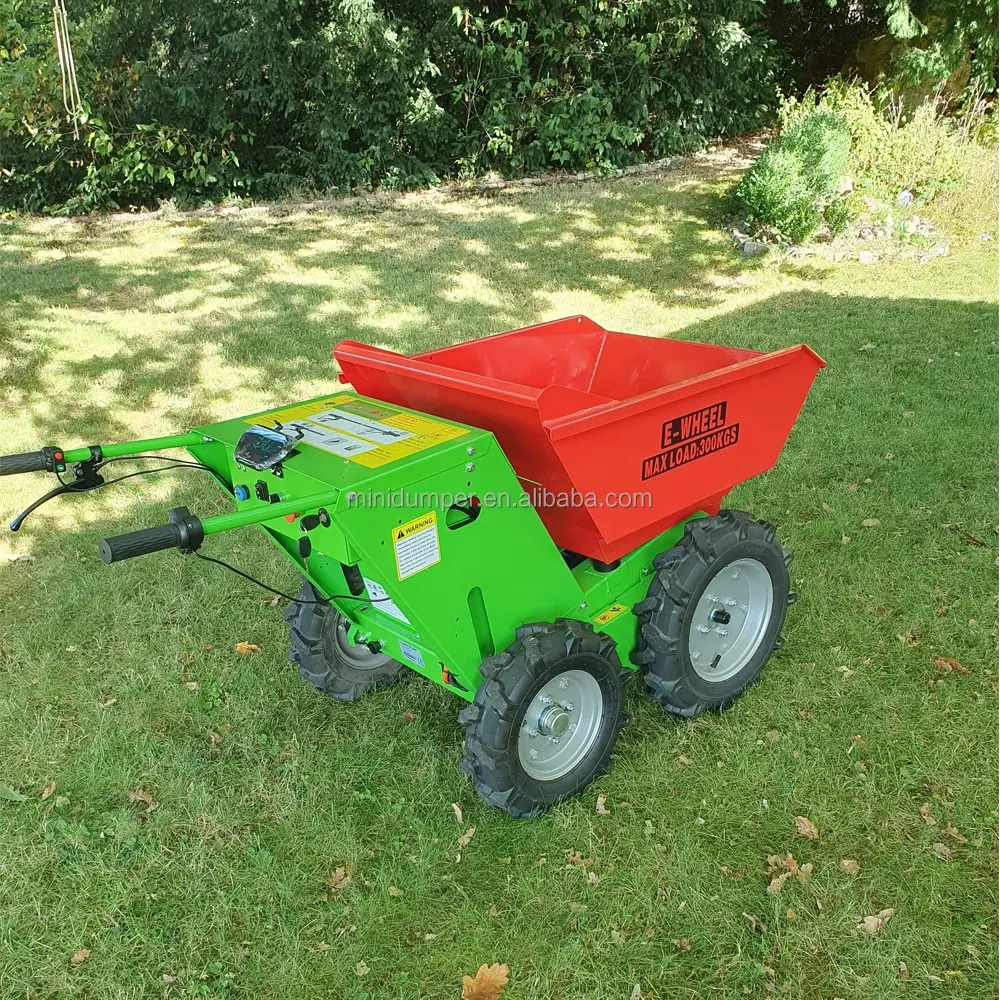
[[124, 678]]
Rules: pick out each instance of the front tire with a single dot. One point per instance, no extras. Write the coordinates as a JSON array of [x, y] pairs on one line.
[[326, 658], [546, 717], [713, 613]]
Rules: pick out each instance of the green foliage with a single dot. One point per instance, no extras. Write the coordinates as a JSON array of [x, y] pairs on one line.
[[190, 100], [784, 193]]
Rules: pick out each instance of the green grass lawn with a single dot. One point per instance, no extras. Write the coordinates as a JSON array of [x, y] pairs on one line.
[[125, 678]]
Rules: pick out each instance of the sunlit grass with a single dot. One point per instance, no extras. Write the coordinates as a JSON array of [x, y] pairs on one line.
[[117, 328]]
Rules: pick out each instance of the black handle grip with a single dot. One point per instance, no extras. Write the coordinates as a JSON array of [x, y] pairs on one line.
[[31, 461], [139, 543]]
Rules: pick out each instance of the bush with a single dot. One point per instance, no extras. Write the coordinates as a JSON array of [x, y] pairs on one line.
[[784, 193], [270, 96]]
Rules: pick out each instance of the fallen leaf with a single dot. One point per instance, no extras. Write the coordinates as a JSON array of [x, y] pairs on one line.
[[867, 346], [850, 865], [660, 895], [845, 539], [949, 665], [574, 859], [904, 971], [11, 795], [636, 993], [191, 685], [682, 944], [141, 795], [943, 851], [684, 760], [648, 828], [593, 878], [600, 808], [466, 838], [952, 831], [925, 814], [393, 890], [409, 715], [874, 923], [773, 736], [322, 946], [756, 924], [361, 969], [790, 914], [910, 638], [827, 508], [541, 861], [48, 790], [617, 937], [494, 912], [487, 984], [430, 937], [806, 828], [339, 877], [109, 703], [870, 522], [973, 951], [80, 956], [846, 671], [457, 810], [245, 648], [777, 882]]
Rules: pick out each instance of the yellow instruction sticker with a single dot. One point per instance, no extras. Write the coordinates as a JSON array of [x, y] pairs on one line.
[[416, 545], [613, 612], [371, 434]]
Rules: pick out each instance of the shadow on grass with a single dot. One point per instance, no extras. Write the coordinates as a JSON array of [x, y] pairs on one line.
[[171, 302]]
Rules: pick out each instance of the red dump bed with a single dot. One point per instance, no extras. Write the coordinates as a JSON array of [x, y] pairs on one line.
[[616, 437]]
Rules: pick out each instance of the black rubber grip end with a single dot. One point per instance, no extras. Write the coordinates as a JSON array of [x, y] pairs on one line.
[[31, 461], [139, 543]]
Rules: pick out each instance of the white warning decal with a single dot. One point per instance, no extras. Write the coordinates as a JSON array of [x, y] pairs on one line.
[[382, 601], [416, 545]]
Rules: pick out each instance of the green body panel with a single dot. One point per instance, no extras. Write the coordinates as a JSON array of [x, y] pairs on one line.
[[459, 586]]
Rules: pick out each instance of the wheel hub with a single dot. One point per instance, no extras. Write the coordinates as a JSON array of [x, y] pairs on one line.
[[561, 724], [730, 619]]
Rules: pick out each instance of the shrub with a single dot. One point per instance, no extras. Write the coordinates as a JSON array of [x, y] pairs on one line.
[[784, 193]]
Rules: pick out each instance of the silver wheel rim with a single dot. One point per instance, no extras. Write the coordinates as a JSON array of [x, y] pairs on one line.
[[356, 655], [730, 620], [561, 725]]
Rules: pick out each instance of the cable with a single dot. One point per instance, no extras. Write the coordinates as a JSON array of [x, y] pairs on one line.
[[294, 600]]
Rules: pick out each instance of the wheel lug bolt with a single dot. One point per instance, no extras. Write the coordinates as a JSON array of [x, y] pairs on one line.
[[545, 700], [703, 628], [714, 599], [736, 576], [554, 739], [533, 754], [568, 706], [731, 602], [696, 655], [533, 732], [722, 631]]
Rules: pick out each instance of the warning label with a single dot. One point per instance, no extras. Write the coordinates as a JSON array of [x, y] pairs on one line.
[[367, 433], [411, 653], [613, 612], [416, 545]]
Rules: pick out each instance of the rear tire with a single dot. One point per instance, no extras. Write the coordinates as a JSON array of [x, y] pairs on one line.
[[325, 657], [546, 717], [713, 614]]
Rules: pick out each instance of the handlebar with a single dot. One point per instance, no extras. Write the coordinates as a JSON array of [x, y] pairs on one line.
[[30, 461], [184, 532]]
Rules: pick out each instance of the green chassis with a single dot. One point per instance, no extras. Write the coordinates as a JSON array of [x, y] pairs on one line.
[[494, 572]]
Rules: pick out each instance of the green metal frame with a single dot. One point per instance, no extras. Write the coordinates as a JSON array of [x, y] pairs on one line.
[[495, 572]]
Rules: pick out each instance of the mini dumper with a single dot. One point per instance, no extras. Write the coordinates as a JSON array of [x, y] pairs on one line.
[[525, 519]]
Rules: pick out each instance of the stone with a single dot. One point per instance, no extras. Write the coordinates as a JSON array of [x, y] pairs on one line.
[[751, 248]]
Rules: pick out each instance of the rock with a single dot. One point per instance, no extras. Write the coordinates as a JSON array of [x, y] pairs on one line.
[[904, 199], [739, 238], [867, 257], [940, 249], [986, 237], [845, 185], [751, 248], [839, 256]]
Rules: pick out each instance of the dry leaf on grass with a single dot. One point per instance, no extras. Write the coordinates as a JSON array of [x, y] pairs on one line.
[[457, 810], [777, 882], [361, 969], [245, 648], [925, 814], [48, 790], [943, 851], [904, 971], [952, 831], [827, 508], [339, 877], [143, 796], [574, 859], [773, 736], [617, 937], [684, 760], [109, 703], [593, 878], [845, 539], [756, 924], [600, 808], [636, 993], [393, 890], [487, 984], [80, 956], [682, 944], [191, 685], [466, 838], [806, 828], [430, 937], [949, 665], [874, 923], [850, 865], [409, 715], [870, 522]]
